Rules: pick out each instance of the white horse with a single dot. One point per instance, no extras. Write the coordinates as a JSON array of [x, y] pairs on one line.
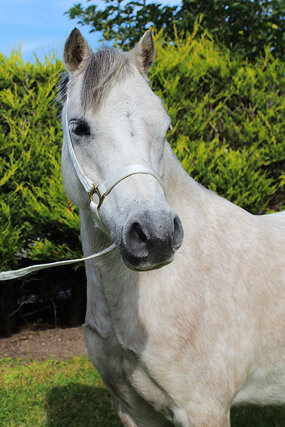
[[181, 344]]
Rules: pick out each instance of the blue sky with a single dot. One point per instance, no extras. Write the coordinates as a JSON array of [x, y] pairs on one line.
[[40, 26]]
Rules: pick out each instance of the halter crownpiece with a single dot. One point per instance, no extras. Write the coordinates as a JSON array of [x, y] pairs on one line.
[[103, 189]]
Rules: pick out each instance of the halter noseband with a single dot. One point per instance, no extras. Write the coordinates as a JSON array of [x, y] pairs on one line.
[[103, 189]]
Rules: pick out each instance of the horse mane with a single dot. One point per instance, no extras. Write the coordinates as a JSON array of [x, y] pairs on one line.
[[104, 67]]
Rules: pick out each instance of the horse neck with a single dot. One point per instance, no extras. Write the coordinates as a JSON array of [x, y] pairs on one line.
[[179, 187], [110, 284]]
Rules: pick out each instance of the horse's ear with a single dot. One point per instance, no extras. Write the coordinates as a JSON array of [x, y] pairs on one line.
[[144, 52], [76, 51]]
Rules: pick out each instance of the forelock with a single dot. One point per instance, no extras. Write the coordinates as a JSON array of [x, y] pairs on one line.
[[62, 87], [104, 68]]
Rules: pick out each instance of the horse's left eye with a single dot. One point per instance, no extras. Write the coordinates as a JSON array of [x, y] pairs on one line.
[[80, 128]]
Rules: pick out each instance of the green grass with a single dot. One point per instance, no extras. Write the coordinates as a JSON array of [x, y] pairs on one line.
[[54, 393], [59, 393]]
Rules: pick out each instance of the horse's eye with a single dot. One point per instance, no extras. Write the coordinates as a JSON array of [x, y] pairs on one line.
[[80, 128]]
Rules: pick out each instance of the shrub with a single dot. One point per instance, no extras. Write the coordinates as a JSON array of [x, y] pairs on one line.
[[36, 219], [228, 118], [37, 222]]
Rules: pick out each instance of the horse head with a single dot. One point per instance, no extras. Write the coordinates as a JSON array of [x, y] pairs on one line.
[[113, 149]]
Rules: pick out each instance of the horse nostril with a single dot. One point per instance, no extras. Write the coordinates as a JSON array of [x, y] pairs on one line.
[[178, 233], [137, 233], [135, 240]]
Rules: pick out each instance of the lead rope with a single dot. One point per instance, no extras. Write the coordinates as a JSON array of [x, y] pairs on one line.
[[15, 274]]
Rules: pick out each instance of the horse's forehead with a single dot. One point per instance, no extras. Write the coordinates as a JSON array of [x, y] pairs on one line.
[[132, 97]]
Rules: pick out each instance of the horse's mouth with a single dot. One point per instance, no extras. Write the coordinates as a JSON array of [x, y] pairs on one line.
[[146, 266]]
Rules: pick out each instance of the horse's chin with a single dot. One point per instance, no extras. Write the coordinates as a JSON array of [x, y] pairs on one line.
[[147, 266]]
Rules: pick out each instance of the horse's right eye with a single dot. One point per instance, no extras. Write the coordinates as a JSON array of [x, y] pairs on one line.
[[80, 128]]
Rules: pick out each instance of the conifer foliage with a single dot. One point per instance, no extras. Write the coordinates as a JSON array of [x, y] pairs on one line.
[[244, 26], [228, 117], [37, 221]]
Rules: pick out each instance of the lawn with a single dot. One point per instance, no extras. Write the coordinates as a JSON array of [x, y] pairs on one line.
[[56, 393], [59, 393]]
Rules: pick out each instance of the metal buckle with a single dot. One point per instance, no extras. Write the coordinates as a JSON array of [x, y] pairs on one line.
[[101, 197]]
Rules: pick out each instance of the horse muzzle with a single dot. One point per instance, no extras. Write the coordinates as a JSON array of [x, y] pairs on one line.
[[150, 238]]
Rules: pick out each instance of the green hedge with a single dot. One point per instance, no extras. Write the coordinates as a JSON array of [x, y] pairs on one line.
[[228, 119], [36, 219]]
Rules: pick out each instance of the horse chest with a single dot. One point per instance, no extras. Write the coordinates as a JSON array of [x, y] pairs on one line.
[[125, 373]]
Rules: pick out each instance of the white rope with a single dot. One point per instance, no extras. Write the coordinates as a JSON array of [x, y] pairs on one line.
[[133, 169], [14, 274]]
